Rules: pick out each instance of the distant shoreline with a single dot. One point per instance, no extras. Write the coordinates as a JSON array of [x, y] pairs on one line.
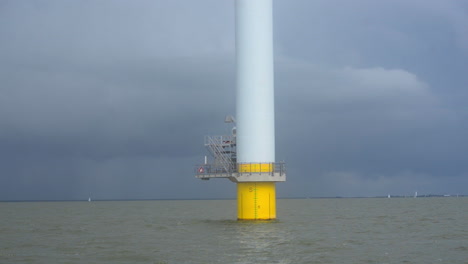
[[214, 199]]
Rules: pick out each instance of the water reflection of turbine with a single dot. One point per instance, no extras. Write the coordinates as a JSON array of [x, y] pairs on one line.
[[262, 243], [247, 157]]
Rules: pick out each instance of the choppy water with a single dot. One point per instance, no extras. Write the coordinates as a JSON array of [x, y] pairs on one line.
[[397, 230]]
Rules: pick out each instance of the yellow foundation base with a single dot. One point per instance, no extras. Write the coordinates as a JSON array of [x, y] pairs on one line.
[[256, 201]]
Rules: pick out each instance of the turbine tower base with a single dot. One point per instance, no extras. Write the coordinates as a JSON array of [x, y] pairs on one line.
[[256, 201]]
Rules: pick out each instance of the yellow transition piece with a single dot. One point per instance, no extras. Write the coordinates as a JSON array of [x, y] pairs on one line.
[[256, 201], [256, 167]]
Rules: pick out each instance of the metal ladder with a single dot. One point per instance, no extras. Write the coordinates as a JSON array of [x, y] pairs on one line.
[[220, 148]]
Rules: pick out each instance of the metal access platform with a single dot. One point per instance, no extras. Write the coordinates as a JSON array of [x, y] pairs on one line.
[[277, 173], [223, 164]]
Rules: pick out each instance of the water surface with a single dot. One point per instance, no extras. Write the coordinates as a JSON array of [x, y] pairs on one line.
[[368, 230]]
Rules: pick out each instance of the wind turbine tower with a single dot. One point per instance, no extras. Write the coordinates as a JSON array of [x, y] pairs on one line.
[[247, 156]]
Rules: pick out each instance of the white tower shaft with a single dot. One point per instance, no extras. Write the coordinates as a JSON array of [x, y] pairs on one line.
[[256, 171], [255, 84]]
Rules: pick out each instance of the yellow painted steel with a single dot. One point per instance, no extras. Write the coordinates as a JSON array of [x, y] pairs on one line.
[[256, 201], [256, 167]]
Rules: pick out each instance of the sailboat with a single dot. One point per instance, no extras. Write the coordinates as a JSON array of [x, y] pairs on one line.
[[89, 199]]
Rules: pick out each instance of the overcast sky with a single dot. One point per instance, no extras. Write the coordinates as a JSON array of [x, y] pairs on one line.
[[112, 99]]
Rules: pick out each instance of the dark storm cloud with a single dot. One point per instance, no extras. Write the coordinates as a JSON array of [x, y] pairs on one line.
[[123, 115], [91, 90], [371, 126], [112, 99], [384, 85]]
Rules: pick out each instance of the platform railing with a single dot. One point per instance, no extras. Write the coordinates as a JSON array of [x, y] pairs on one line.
[[220, 171], [270, 168]]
